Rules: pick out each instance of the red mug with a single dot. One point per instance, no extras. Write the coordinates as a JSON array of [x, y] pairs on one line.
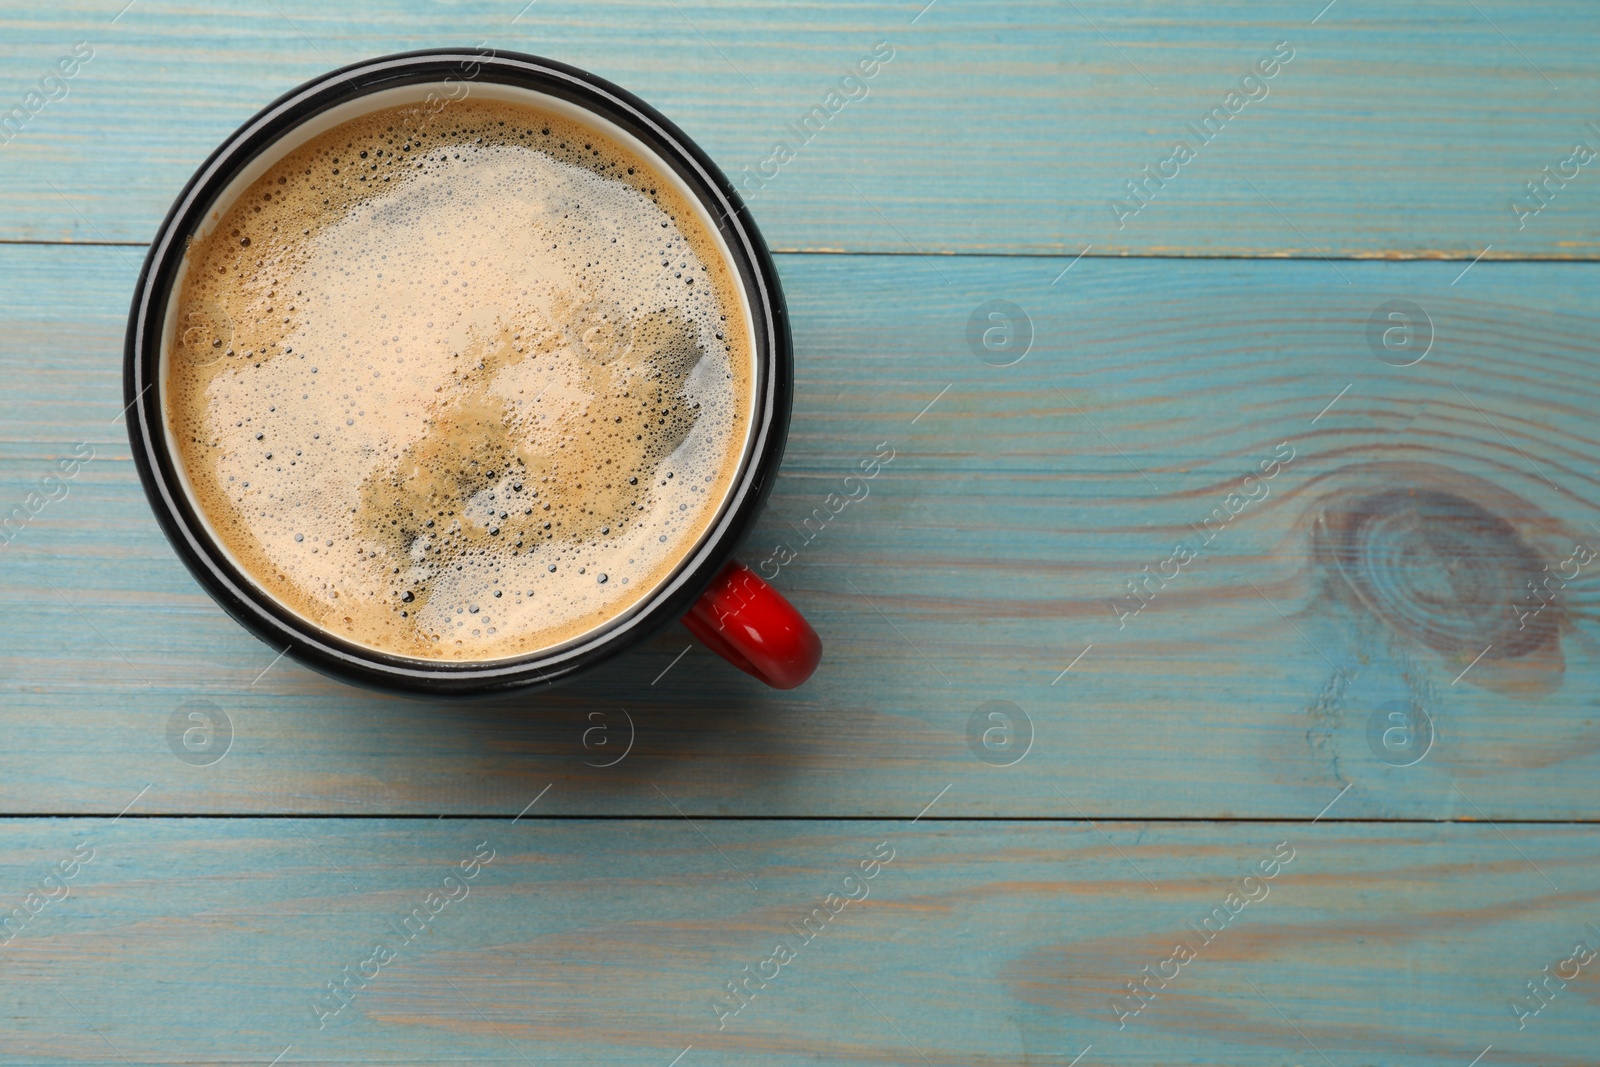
[[721, 601]]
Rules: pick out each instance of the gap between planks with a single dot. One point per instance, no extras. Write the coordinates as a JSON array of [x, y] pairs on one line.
[[1387, 256], [707, 817]]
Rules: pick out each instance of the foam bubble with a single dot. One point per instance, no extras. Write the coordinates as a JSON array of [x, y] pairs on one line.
[[459, 386]]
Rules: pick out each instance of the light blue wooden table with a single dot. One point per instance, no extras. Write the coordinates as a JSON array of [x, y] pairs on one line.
[[1238, 552]]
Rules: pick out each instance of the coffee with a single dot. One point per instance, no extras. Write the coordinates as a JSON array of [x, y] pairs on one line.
[[459, 384]]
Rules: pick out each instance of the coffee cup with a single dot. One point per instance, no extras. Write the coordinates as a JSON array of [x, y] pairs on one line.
[[414, 402]]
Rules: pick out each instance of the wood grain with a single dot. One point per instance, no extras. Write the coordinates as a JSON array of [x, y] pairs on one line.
[[205, 942], [1216, 547], [996, 546], [1394, 131]]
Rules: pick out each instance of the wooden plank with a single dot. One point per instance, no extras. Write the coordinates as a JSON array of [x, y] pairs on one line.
[[994, 548], [206, 942], [1395, 130]]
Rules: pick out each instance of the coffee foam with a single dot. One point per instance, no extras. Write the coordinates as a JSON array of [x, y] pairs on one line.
[[461, 385]]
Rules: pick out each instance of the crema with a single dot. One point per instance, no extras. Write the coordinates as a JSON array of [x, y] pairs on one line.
[[460, 384]]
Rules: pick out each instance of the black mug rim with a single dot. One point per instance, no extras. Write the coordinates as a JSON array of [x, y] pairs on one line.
[[282, 628]]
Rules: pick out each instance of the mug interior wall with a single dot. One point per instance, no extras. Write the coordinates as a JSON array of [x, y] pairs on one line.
[[416, 94]]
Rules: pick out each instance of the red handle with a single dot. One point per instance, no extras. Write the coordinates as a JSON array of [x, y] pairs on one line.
[[750, 624]]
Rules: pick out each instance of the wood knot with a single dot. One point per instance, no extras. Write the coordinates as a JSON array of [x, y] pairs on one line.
[[1438, 568]]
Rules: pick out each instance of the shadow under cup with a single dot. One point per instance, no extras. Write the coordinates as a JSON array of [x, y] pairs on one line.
[[436, 78]]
